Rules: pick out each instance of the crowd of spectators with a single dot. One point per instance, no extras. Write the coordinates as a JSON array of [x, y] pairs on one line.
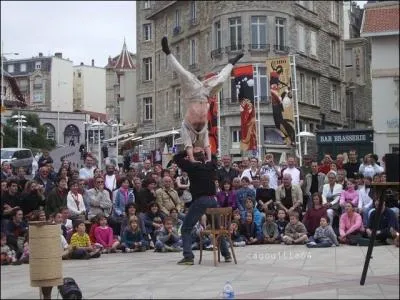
[[320, 204]]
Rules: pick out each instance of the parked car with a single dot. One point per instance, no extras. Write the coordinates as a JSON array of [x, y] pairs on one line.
[[18, 157]]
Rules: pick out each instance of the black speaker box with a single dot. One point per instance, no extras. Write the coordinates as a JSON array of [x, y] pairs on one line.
[[392, 167]]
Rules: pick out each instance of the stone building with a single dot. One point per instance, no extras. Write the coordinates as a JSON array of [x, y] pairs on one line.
[[121, 87], [46, 82], [204, 34]]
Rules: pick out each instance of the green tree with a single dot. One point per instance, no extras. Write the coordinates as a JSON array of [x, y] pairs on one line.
[[30, 139]]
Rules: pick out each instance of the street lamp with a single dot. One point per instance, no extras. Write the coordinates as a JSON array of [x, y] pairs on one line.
[[87, 128], [58, 109], [118, 125], [305, 134], [20, 120], [99, 125], [2, 72]]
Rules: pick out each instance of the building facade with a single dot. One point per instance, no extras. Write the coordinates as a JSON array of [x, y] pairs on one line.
[[121, 87], [381, 27], [204, 35], [89, 88], [45, 81]]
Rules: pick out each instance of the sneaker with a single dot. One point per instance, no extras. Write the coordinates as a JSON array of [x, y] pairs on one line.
[[151, 245], [16, 263], [209, 248], [236, 244], [312, 243], [228, 259], [95, 254], [113, 251], [186, 261], [143, 249], [242, 244], [128, 250], [168, 249]]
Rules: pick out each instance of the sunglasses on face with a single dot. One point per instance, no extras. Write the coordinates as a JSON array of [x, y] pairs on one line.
[[99, 182]]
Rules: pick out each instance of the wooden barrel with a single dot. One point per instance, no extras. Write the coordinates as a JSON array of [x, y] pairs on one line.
[[45, 254]]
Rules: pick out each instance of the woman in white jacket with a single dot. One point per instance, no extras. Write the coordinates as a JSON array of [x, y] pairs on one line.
[[331, 196], [369, 168], [75, 202]]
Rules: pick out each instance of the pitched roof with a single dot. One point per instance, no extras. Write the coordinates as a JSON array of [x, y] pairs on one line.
[[20, 102], [380, 19], [124, 60]]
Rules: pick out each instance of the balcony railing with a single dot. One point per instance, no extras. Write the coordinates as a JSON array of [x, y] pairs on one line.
[[281, 48], [37, 86], [216, 53], [233, 48], [259, 47], [177, 30], [193, 22]]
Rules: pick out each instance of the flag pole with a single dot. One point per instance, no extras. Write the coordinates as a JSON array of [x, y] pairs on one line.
[[296, 112], [259, 145], [219, 124]]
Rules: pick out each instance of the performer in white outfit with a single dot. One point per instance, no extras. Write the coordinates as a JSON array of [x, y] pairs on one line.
[[194, 131]]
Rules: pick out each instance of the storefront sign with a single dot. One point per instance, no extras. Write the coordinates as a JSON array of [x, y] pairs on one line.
[[345, 137]]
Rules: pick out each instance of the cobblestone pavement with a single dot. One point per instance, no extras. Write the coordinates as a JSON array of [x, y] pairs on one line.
[[276, 271]]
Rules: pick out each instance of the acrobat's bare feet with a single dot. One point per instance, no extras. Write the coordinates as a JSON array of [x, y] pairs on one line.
[[234, 60], [164, 45]]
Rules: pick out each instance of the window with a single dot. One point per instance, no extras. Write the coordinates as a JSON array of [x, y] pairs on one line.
[[38, 65], [258, 32], [10, 69], [348, 57], [236, 133], [280, 34], [217, 35], [147, 32], [333, 53], [314, 91], [302, 88], [148, 74], [37, 96], [178, 102], [313, 43], [166, 101], [334, 97], [193, 59], [22, 67], [147, 109], [334, 11], [147, 4], [79, 75], [301, 41], [158, 62], [193, 13], [235, 28], [260, 83], [177, 18]]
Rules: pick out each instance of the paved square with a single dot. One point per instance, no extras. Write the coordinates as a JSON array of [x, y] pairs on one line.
[[275, 271]]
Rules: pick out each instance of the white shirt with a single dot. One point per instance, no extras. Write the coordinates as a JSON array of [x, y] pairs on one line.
[[86, 173], [74, 209], [295, 173], [110, 182], [272, 174], [249, 173], [364, 201], [64, 243]]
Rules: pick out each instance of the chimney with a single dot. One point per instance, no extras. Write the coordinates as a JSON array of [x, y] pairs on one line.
[[40, 54], [58, 54], [92, 62], [81, 63]]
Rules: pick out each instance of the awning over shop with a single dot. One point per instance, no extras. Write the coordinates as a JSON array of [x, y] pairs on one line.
[[121, 136], [136, 138], [161, 134]]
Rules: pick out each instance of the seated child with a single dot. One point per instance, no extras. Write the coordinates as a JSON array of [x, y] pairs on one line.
[[173, 213], [8, 256], [197, 229], [237, 239], [258, 217], [153, 220], [168, 240], [236, 217], [104, 236], [270, 229], [281, 223], [195, 93], [80, 243], [248, 230], [324, 236], [132, 239], [295, 231]]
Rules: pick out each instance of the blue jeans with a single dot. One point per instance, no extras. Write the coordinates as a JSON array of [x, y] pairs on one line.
[[319, 244], [196, 210]]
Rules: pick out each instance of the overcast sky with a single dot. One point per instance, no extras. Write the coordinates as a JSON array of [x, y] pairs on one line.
[[81, 30]]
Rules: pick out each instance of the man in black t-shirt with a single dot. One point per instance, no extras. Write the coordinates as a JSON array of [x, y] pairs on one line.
[[201, 176], [353, 165]]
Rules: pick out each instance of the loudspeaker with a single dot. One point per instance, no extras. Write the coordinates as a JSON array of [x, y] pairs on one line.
[[392, 167]]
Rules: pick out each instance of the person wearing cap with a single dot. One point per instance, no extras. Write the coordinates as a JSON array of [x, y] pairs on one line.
[[194, 131]]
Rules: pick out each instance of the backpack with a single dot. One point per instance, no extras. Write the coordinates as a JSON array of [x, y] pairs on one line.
[[70, 289]]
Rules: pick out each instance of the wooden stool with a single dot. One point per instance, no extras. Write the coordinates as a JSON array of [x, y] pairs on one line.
[[220, 223]]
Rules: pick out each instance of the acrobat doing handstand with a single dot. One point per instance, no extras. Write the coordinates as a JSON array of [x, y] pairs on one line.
[[195, 94]]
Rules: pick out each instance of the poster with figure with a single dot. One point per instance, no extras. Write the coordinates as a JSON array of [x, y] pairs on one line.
[[280, 85], [213, 120], [244, 93]]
